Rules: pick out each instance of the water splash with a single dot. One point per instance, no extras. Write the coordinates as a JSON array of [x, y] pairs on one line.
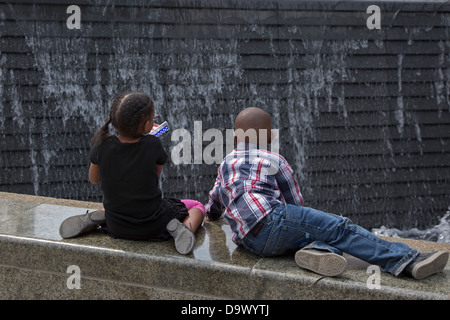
[[438, 233]]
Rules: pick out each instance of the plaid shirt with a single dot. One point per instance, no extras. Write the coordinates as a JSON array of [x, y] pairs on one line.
[[250, 183]]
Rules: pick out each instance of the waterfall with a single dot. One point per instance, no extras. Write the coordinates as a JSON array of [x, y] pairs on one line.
[[363, 115]]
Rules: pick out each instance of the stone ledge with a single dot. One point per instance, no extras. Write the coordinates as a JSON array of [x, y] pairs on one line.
[[34, 261]]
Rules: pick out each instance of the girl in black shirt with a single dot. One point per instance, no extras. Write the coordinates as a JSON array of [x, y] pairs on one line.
[[128, 167]]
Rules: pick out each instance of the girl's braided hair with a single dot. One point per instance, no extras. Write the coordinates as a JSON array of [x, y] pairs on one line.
[[128, 112]]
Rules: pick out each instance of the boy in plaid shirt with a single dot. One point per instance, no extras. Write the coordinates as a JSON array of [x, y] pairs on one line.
[[257, 194]]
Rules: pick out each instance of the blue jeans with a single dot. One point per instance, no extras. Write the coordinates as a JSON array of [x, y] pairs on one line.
[[289, 228]]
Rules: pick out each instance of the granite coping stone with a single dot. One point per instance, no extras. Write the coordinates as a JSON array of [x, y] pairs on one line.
[[34, 261]]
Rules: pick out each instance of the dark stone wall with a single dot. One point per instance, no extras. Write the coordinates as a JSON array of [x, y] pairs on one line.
[[363, 114]]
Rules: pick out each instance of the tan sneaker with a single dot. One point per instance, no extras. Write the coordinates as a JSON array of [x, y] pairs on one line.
[[322, 262]]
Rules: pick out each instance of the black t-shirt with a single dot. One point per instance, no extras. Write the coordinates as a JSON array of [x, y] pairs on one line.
[[129, 182]]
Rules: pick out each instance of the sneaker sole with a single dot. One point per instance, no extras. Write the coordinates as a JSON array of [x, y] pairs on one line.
[[434, 264], [324, 263], [76, 225], [184, 238]]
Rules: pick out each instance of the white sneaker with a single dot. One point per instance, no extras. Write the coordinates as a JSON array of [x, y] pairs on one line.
[[184, 238]]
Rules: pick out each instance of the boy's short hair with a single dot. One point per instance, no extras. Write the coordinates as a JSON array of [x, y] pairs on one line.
[[253, 125]]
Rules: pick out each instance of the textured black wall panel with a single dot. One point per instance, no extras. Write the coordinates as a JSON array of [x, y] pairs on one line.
[[363, 114]]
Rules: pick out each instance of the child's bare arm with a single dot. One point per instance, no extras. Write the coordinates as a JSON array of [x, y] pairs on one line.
[[159, 168], [94, 176]]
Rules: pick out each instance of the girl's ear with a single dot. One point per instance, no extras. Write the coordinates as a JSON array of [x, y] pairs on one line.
[[146, 126]]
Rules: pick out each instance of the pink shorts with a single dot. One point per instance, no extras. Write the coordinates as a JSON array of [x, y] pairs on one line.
[[190, 204]]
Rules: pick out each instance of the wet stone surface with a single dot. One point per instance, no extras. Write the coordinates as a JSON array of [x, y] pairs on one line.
[[34, 261]]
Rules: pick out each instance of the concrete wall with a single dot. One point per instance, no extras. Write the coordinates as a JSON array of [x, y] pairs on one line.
[[363, 114]]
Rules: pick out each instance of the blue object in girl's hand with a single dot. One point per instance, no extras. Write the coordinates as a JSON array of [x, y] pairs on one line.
[[159, 129]]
